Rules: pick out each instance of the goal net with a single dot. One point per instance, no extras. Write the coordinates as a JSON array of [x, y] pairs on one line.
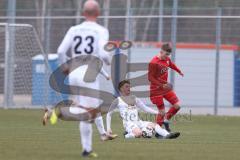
[[24, 68]]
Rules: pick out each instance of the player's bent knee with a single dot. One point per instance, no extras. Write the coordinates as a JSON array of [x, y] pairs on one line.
[[138, 135], [162, 112], [177, 106], [137, 132], [151, 125]]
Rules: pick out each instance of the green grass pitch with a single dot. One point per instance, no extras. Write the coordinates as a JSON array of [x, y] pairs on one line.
[[22, 137]]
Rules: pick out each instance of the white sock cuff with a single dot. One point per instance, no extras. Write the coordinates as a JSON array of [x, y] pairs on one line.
[[129, 135], [161, 131]]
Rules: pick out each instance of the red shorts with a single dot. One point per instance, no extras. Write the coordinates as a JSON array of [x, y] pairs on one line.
[[171, 97]]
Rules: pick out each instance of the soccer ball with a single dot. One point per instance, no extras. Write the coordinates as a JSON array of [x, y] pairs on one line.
[[147, 132]]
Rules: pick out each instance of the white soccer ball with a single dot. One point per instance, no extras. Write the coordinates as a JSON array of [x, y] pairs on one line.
[[147, 132]]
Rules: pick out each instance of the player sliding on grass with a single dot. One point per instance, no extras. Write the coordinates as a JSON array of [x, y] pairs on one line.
[[87, 38], [128, 106], [160, 88]]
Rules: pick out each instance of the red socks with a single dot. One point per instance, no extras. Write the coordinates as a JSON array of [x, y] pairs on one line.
[[171, 112], [159, 119]]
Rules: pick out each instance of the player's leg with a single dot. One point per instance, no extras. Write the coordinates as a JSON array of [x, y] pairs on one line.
[[51, 114], [172, 99], [99, 120], [46, 116], [158, 129], [160, 115], [85, 129], [137, 132], [99, 123], [57, 111], [133, 131], [158, 101], [160, 132], [100, 126], [164, 134], [94, 102], [68, 111]]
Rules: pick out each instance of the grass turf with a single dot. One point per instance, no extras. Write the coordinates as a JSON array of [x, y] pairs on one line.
[[22, 137]]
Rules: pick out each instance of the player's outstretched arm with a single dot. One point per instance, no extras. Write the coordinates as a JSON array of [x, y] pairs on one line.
[[145, 108], [174, 67]]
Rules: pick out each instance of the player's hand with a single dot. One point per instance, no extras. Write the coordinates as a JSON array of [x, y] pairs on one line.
[[167, 86], [181, 74], [65, 69]]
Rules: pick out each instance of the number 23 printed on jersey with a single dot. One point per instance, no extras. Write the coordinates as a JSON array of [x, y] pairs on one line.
[[84, 44]]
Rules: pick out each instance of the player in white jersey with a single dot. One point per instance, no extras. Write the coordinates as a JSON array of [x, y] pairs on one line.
[[128, 107], [87, 38]]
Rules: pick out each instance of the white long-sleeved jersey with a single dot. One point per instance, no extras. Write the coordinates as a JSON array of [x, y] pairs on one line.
[[128, 108]]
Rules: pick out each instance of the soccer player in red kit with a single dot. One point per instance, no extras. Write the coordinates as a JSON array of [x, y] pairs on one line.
[[159, 86]]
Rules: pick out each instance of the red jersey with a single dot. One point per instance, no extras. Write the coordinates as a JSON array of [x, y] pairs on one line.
[[158, 73]]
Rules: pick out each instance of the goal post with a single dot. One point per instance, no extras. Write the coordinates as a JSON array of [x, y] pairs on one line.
[[9, 62]]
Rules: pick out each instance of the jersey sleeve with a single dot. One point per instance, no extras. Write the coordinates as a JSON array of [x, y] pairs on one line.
[[113, 106], [174, 67], [64, 46], [145, 108], [103, 40]]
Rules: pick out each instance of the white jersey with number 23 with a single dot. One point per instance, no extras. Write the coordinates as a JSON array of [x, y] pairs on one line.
[[87, 38]]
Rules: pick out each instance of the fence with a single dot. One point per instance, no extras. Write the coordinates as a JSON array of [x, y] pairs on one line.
[[210, 78]]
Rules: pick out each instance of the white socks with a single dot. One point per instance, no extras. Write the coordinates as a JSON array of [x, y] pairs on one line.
[[86, 132], [130, 135], [86, 135], [161, 131], [99, 123]]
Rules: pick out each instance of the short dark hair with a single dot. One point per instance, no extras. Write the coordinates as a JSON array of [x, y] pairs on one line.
[[166, 47], [120, 84]]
